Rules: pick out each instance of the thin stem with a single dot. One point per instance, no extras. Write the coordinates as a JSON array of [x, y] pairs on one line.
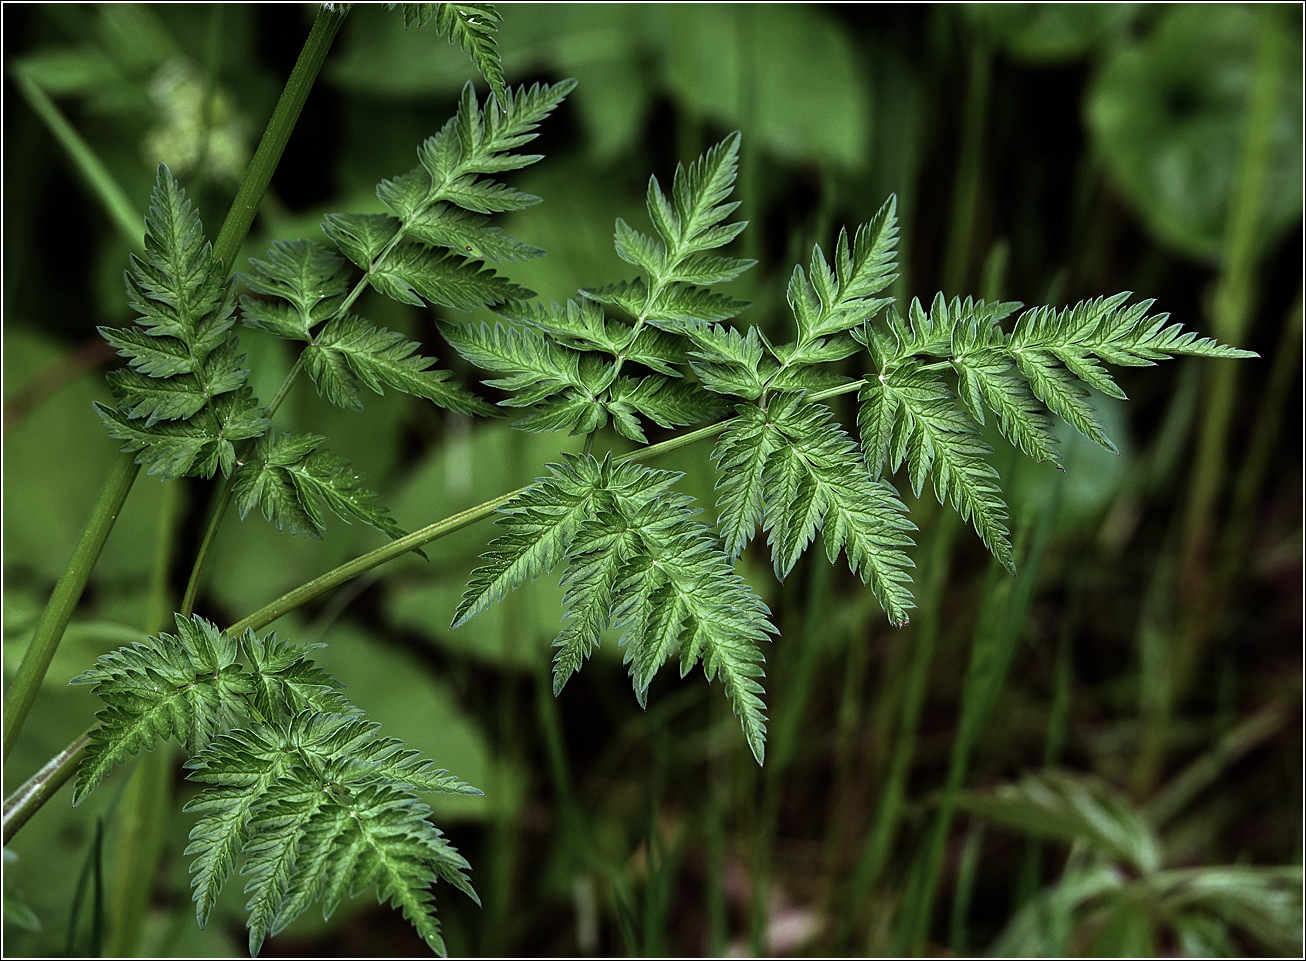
[[67, 592], [277, 132], [223, 501], [206, 547], [55, 617], [365, 562], [103, 186], [40, 787], [237, 225]]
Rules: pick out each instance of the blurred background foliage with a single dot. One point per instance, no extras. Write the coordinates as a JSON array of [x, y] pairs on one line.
[[1100, 756]]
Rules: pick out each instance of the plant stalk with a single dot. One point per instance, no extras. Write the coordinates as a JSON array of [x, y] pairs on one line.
[[277, 133], [365, 562], [55, 617]]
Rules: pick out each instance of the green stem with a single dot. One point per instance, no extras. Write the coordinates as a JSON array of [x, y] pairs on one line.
[[119, 207], [241, 217], [277, 132], [365, 562], [140, 822], [888, 814], [40, 787], [223, 501], [55, 617], [67, 592]]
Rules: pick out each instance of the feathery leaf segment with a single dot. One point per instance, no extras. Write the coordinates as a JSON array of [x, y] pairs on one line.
[[635, 561], [306, 797]]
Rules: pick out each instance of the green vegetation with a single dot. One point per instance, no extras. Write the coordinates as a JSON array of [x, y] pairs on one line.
[[606, 825]]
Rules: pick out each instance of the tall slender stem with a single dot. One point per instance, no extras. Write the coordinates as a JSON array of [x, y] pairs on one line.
[[277, 132], [241, 217], [54, 619]]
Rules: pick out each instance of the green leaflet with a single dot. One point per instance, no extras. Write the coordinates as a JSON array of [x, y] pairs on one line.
[[472, 26], [415, 274], [637, 562], [351, 353], [666, 309], [191, 686], [791, 468], [573, 388], [306, 796], [537, 527], [814, 478], [318, 806], [312, 280], [473, 142], [288, 478], [671, 591], [183, 402], [1047, 364], [199, 446], [914, 414]]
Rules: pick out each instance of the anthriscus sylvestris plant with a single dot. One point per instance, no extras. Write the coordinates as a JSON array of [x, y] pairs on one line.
[[304, 795]]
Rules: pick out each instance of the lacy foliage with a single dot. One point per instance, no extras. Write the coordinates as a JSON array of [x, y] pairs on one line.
[[658, 349], [306, 799]]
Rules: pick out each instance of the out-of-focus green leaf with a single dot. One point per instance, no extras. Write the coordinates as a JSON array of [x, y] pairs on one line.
[[1073, 807], [1123, 929], [1265, 902], [1044, 926], [1168, 117], [68, 71], [48, 491], [1092, 475], [1201, 936], [786, 73]]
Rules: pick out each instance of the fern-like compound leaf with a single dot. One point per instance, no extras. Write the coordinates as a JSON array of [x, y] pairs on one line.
[[309, 278], [638, 562], [678, 267], [698, 204], [188, 686], [741, 456], [313, 808], [468, 234], [474, 141], [303, 789], [678, 594], [534, 366], [415, 274], [814, 478], [183, 403], [1057, 351]]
